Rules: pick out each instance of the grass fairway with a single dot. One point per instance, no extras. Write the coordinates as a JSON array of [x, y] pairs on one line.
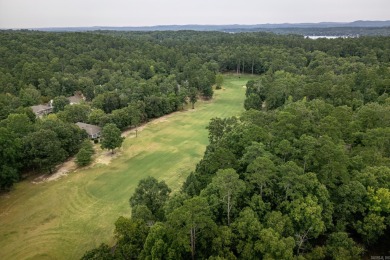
[[62, 219]]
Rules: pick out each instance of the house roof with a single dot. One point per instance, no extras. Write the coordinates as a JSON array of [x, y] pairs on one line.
[[39, 108], [90, 129], [75, 99]]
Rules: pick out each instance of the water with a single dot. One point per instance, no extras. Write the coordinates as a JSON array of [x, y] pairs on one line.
[[328, 37]]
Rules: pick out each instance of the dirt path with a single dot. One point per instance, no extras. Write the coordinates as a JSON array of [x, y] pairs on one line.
[[62, 170]]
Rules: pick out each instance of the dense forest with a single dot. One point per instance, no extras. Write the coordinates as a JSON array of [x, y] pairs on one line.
[[124, 82], [303, 173], [325, 31]]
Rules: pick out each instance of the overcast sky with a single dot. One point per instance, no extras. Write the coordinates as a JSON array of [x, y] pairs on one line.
[[71, 13]]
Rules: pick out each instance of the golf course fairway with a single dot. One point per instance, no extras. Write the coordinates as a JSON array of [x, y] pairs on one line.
[[63, 218]]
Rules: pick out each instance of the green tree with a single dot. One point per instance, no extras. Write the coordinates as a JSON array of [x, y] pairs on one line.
[[43, 150], [218, 80], [121, 118], [349, 203], [143, 213], [253, 102], [371, 227], [193, 220], [273, 246], [75, 113], [19, 124], [247, 231], [193, 96], [97, 117], [27, 111], [111, 137], [29, 96], [222, 244], [379, 200], [306, 215], [107, 101], [131, 235], [261, 174], [279, 223], [285, 150], [135, 116], [182, 98], [84, 156], [8, 104], [221, 158], [59, 103], [10, 154], [52, 89], [101, 252], [331, 127], [70, 135], [218, 127], [192, 186], [152, 194], [339, 246], [157, 244], [175, 201], [225, 188]]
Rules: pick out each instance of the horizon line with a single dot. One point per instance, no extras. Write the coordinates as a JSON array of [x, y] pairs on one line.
[[192, 24]]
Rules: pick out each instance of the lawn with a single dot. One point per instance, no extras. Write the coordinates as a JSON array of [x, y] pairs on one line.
[[62, 219]]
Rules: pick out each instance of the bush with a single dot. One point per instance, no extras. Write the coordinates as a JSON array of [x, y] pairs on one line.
[[84, 156]]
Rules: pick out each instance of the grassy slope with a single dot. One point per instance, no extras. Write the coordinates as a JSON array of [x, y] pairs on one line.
[[61, 219]]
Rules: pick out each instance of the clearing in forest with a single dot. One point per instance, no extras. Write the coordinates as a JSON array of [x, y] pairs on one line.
[[61, 219]]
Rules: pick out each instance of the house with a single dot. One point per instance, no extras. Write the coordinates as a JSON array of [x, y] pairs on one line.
[[41, 110], [93, 131], [77, 98]]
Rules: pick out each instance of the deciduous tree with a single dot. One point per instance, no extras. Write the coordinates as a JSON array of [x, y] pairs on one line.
[[224, 189], [193, 94], [84, 156], [43, 150], [218, 81], [10, 154], [59, 103], [111, 137], [151, 193], [193, 219]]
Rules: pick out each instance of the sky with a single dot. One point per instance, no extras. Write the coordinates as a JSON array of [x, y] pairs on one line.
[[77, 13]]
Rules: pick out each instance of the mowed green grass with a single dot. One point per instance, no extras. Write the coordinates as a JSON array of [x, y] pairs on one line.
[[62, 219]]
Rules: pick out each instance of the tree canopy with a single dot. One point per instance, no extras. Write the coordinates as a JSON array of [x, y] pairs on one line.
[[302, 173], [111, 137]]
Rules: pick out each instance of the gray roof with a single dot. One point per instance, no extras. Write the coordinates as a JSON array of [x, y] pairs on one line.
[[40, 108], [75, 99], [90, 129]]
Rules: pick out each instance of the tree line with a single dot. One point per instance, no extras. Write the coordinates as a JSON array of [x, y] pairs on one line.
[[303, 173]]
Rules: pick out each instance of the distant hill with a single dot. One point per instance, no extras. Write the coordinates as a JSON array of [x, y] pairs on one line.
[[370, 24], [225, 28]]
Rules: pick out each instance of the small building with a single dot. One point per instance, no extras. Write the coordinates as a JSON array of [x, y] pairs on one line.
[[41, 110], [77, 98], [93, 131]]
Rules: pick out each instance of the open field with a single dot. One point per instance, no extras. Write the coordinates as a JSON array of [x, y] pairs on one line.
[[61, 219]]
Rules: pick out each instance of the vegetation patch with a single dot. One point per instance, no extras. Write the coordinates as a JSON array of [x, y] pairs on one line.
[[89, 200]]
